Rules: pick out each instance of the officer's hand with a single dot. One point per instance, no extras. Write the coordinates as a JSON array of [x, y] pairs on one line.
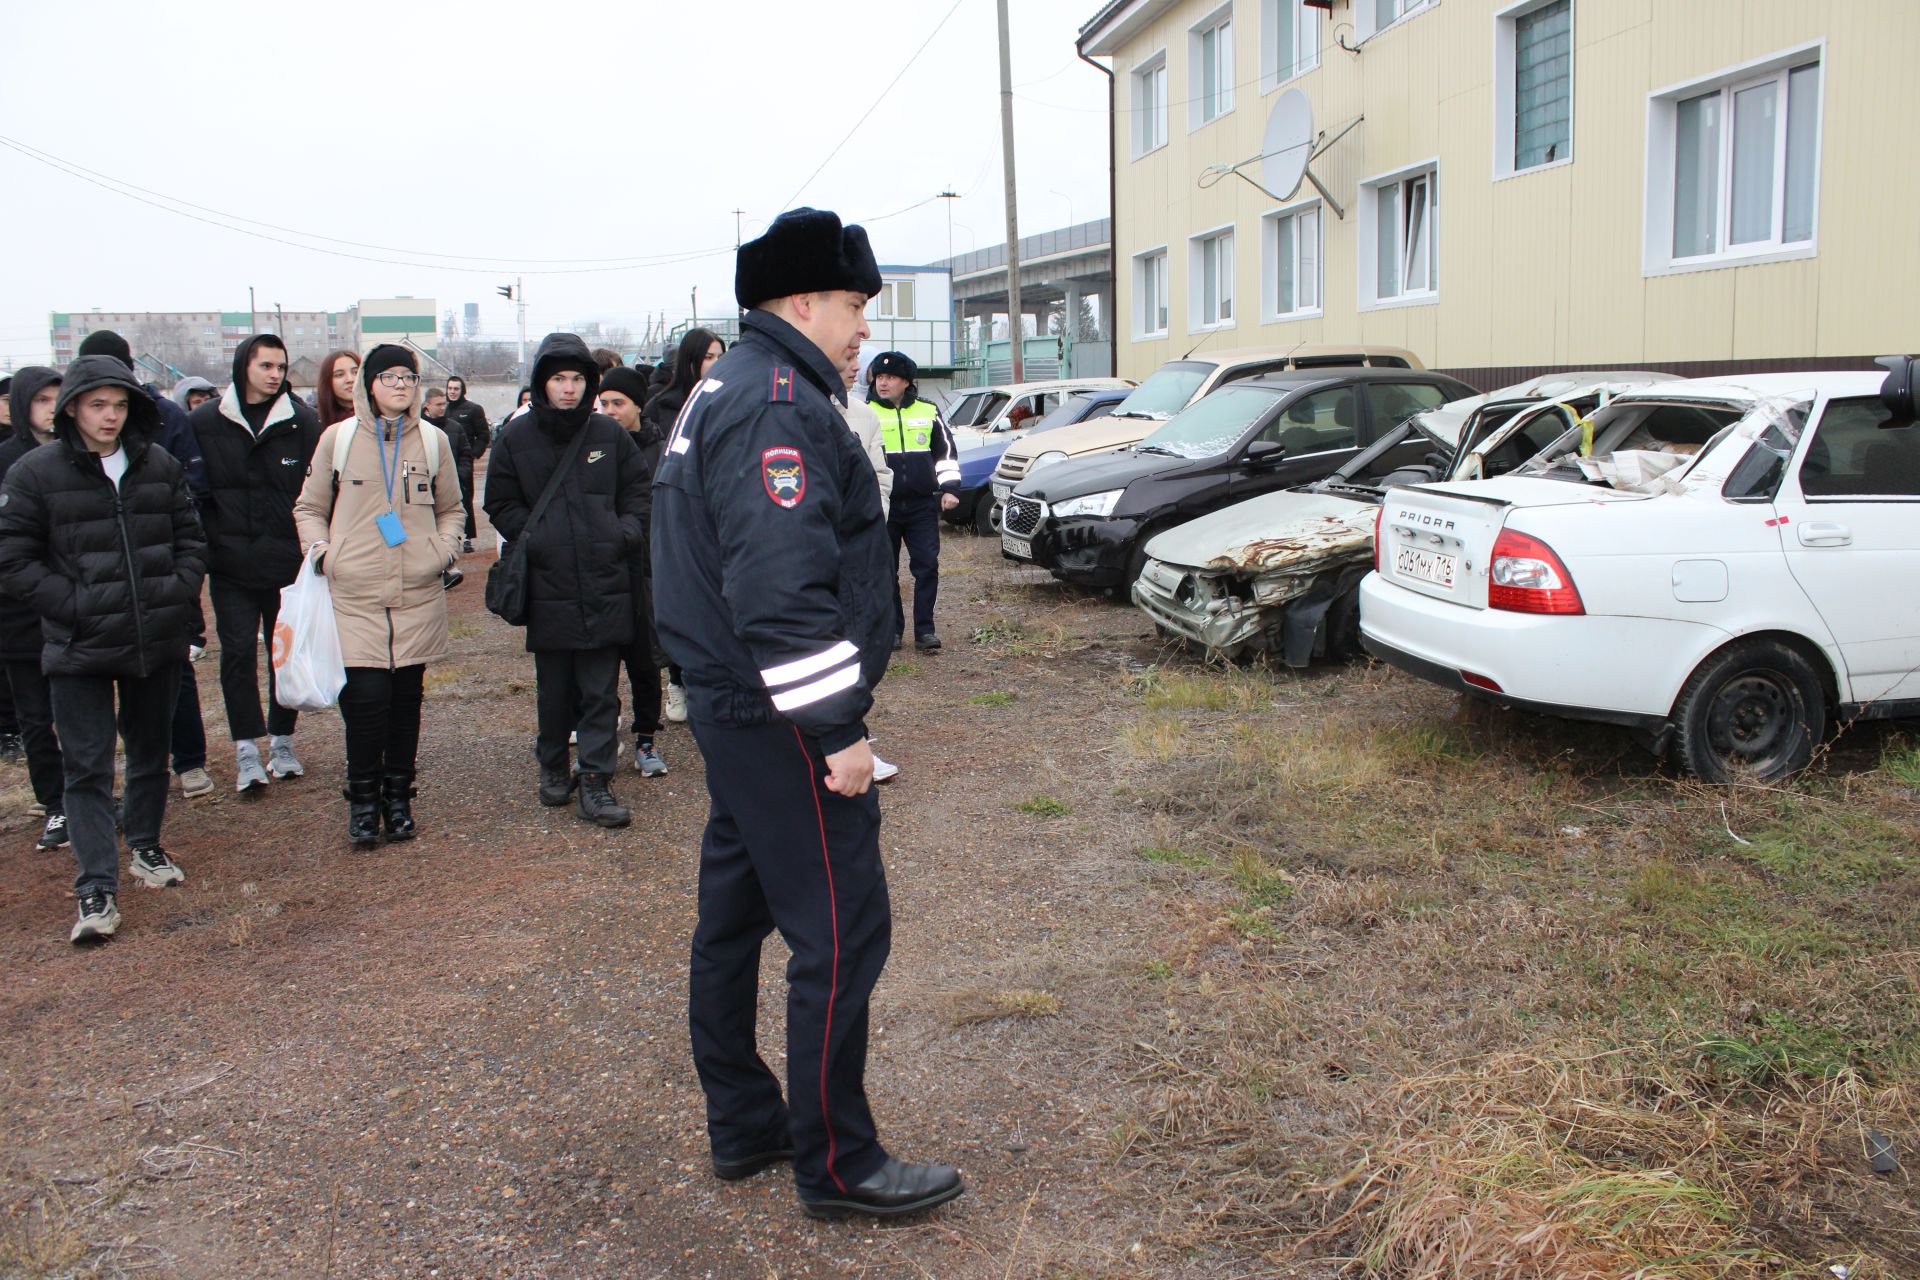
[[949, 501], [850, 772]]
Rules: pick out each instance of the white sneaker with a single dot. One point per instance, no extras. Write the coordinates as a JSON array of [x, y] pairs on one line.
[[248, 773], [676, 703], [153, 868], [99, 917], [281, 762], [884, 771]]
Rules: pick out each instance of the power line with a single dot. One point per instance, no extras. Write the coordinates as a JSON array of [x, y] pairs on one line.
[[876, 104]]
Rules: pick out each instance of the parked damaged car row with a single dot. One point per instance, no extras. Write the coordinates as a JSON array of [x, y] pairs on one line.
[[1719, 565]]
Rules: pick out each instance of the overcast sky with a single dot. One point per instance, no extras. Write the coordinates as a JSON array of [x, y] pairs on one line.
[[510, 133]]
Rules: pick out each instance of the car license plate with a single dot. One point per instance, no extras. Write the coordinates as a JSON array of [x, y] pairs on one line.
[[1019, 548], [1427, 566], [1000, 492]]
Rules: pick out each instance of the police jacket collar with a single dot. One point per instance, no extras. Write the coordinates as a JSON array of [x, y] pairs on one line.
[[788, 341]]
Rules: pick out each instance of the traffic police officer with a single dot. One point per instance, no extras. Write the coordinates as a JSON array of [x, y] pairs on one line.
[[926, 481], [771, 573]]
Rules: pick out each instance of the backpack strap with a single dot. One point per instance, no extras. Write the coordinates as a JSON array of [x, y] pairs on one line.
[[436, 441]]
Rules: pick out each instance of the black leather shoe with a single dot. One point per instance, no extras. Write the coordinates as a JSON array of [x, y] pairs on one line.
[[556, 786], [894, 1190], [926, 641], [738, 1167]]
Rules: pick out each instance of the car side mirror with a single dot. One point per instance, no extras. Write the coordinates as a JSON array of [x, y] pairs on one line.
[[1897, 391], [1264, 453]]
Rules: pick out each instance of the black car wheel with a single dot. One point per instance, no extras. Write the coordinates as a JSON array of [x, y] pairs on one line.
[[983, 515], [1754, 710]]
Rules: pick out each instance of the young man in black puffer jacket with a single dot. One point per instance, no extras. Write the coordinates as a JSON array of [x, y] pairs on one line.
[[99, 537]]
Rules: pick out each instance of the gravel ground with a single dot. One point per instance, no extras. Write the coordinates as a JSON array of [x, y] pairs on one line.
[[467, 1056]]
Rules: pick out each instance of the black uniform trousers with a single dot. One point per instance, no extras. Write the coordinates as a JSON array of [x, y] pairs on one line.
[[782, 852], [915, 521], [241, 616]]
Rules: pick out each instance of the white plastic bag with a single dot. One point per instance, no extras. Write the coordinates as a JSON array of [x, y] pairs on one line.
[[308, 671]]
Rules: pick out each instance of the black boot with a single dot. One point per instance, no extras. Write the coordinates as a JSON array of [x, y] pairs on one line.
[[396, 804], [597, 804], [363, 812]]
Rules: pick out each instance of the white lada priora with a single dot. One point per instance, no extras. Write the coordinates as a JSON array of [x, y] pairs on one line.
[[1726, 566]]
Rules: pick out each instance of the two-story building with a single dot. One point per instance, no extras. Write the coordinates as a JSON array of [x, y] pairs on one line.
[[1694, 185]]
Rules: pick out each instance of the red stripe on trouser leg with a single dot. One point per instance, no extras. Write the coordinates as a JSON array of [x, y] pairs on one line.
[[833, 989]]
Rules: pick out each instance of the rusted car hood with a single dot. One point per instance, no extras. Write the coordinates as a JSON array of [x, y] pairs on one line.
[[1276, 532]]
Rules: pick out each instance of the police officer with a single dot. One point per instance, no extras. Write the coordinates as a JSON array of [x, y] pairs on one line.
[[771, 575], [926, 481]]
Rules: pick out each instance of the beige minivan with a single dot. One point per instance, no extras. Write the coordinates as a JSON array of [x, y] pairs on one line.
[[1171, 388]]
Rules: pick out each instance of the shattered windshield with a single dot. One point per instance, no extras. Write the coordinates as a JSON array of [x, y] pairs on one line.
[[1214, 424], [1166, 391], [1633, 444]]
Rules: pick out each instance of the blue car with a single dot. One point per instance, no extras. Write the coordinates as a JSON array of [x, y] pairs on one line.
[[976, 465]]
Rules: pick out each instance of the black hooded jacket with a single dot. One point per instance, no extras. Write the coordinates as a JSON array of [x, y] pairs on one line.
[[251, 481], [20, 639], [582, 555], [113, 573], [467, 418]]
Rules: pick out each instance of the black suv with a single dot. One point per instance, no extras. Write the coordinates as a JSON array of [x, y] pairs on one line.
[[1088, 520]]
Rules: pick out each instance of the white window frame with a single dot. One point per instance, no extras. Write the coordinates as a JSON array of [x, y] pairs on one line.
[[1155, 100], [885, 304], [1225, 281], [1143, 323], [1270, 312], [1218, 23], [1368, 215], [1657, 257], [1305, 22], [1506, 119], [1366, 21]]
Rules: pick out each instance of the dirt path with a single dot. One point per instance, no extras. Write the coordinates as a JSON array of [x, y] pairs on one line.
[[467, 1056]]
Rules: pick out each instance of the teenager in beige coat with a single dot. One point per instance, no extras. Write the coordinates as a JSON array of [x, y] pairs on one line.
[[387, 526]]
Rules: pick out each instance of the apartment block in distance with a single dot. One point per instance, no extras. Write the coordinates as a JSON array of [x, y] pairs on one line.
[[1707, 186], [194, 340]]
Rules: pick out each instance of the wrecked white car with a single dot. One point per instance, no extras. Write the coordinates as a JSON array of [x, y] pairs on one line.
[[1723, 566], [1281, 572]]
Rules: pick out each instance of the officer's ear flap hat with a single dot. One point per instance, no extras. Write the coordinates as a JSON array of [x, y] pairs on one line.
[[805, 251], [897, 363]]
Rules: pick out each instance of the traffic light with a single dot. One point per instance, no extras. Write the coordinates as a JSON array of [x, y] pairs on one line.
[[505, 291]]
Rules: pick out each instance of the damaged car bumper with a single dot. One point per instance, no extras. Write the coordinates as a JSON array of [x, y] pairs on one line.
[[1085, 551]]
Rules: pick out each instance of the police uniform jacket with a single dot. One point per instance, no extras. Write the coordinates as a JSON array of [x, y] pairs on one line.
[[920, 448], [771, 560]]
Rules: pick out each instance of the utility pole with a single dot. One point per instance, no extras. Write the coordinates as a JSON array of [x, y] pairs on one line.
[[736, 227], [696, 306], [1016, 326], [253, 313], [280, 320], [953, 302], [520, 296]]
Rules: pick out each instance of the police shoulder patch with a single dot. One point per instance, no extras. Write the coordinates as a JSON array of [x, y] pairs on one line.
[[784, 475], [780, 380]]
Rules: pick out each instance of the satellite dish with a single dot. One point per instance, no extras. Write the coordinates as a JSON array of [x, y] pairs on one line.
[[1288, 144]]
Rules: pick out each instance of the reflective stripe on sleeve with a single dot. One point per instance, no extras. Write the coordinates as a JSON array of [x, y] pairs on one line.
[[801, 668], [825, 687], [945, 471]]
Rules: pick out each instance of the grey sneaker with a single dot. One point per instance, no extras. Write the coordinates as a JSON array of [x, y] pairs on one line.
[[55, 834], [155, 869], [281, 762], [248, 773], [99, 917], [648, 763], [195, 783], [36, 810]]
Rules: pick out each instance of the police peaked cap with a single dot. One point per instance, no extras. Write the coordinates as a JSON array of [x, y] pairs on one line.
[[805, 251], [897, 363]]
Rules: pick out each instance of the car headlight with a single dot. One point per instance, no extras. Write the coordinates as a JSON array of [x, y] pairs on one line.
[[1093, 504], [1047, 459]]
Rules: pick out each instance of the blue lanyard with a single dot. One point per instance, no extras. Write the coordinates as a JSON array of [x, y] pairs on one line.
[[385, 475]]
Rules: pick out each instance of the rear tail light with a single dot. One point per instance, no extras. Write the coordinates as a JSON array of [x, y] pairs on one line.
[[1379, 539], [1527, 577], [1479, 681]]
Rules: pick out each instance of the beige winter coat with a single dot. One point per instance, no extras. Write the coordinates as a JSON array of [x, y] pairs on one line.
[[865, 425], [388, 601]]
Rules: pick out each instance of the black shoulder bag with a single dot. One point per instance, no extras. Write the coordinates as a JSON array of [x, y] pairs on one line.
[[507, 589]]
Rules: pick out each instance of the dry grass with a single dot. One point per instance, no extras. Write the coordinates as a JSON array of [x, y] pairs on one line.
[[971, 1008], [1468, 996]]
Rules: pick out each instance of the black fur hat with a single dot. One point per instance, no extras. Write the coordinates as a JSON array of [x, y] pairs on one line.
[[805, 251]]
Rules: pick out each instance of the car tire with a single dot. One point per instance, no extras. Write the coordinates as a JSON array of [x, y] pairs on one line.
[[983, 515], [1753, 711], [1136, 561]]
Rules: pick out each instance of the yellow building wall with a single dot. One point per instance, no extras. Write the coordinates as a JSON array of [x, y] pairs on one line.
[[1546, 267]]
